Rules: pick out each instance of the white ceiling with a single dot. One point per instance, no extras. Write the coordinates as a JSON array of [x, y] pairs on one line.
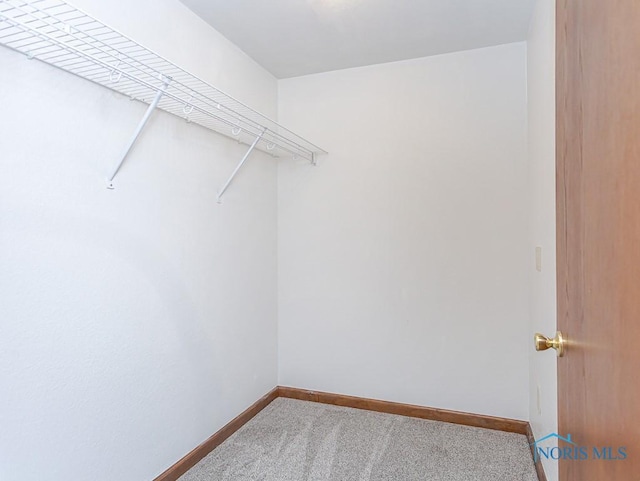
[[298, 37]]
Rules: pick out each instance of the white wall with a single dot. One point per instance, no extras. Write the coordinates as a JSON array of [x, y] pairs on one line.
[[541, 94], [134, 322], [403, 257], [172, 30]]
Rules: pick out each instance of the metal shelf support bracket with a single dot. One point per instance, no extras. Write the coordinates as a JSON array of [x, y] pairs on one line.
[[138, 131], [239, 166]]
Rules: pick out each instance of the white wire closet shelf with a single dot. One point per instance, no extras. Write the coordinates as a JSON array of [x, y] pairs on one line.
[[59, 34]]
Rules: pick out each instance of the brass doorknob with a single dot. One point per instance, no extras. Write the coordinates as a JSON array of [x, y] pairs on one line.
[[559, 343]]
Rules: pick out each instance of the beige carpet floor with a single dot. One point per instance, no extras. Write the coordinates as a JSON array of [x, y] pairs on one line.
[[294, 440]]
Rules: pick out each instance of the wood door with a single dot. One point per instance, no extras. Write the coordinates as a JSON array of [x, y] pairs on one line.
[[598, 229]]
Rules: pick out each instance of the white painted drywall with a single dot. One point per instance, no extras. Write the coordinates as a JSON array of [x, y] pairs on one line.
[[294, 38], [403, 257], [175, 32], [134, 323], [541, 95]]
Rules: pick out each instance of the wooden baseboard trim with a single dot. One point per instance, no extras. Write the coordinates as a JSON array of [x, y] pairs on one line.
[[192, 458], [410, 410], [537, 462]]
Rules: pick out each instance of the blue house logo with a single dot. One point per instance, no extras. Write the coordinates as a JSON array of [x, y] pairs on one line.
[[568, 449], [547, 452]]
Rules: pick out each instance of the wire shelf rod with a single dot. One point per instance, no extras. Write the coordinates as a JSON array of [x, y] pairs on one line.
[[57, 33]]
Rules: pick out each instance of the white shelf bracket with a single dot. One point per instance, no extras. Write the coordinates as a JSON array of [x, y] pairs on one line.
[[138, 131], [239, 166]]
